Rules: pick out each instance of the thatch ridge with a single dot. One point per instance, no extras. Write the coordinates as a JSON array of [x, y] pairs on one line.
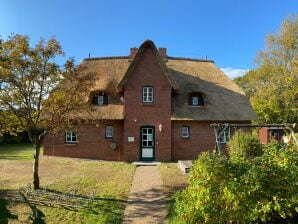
[[105, 58], [189, 59]]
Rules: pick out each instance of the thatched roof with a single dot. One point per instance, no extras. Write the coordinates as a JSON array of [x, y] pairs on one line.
[[160, 61], [224, 100]]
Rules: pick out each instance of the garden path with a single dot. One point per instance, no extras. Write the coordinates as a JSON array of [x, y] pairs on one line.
[[146, 200]]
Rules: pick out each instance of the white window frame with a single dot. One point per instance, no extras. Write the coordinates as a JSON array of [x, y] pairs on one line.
[[195, 100], [71, 136], [109, 131], [100, 99], [148, 94], [225, 137], [185, 132]]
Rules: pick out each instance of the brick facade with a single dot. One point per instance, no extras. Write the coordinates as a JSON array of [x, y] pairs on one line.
[[123, 79], [201, 139], [137, 114], [92, 143]]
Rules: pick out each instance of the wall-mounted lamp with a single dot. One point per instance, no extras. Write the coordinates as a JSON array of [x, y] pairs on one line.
[[160, 127]]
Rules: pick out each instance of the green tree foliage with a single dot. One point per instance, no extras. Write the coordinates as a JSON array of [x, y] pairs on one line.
[[28, 76], [245, 189], [272, 87]]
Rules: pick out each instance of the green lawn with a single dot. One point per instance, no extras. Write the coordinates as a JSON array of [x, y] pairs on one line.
[[16, 151], [173, 180], [109, 181]]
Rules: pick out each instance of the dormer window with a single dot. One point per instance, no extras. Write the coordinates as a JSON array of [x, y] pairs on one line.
[[196, 99], [100, 98]]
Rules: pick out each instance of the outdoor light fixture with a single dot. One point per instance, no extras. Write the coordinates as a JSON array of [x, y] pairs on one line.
[[160, 127]]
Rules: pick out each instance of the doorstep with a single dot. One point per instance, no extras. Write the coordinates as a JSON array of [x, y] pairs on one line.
[[146, 163]]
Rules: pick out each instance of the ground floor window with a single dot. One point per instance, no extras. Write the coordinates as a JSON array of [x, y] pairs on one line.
[[109, 131], [70, 136], [185, 132], [225, 137]]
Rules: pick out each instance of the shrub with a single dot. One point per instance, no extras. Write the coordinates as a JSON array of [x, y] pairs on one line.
[[259, 190], [244, 145]]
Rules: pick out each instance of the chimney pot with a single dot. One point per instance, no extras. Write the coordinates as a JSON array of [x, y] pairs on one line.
[[163, 52], [133, 52]]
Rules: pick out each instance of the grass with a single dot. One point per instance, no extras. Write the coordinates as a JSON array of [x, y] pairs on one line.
[[109, 181], [173, 180], [17, 151]]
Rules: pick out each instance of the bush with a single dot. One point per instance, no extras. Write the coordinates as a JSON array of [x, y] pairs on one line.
[[259, 190], [244, 146]]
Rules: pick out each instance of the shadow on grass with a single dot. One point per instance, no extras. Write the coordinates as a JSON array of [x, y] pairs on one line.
[[37, 215], [107, 208], [5, 214]]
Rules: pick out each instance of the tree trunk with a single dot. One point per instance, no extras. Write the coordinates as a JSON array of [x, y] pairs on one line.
[[36, 167]]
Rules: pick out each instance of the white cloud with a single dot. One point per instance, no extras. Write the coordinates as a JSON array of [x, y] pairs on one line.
[[234, 72]]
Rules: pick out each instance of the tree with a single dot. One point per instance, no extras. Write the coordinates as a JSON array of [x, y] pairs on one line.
[[37, 95], [272, 87]]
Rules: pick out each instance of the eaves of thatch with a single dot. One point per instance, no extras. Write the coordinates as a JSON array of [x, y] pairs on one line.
[[224, 100]]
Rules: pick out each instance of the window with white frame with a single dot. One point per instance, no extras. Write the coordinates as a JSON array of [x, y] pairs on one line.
[[70, 136], [196, 99], [225, 137], [185, 132], [109, 131], [100, 99], [147, 94]]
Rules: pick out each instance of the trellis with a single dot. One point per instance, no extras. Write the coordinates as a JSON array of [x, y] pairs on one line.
[[220, 128]]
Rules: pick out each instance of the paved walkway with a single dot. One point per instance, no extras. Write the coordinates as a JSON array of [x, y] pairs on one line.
[[146, 200]]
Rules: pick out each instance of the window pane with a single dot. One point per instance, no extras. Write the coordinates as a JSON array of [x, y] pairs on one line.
[[147, 94], [185, 132], [109, 131], [100, 100], [195, 100]]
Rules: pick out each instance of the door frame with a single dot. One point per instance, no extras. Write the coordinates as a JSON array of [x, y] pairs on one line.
[[141, 140]]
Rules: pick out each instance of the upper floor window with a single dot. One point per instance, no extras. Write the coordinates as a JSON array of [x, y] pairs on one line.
[[70, 136], [100, 98], [147, 94], [196, 99]]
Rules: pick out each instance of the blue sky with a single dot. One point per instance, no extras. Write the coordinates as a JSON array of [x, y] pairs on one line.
[[230, 32]]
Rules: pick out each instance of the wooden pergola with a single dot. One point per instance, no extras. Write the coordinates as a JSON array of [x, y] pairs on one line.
[[220, 128]]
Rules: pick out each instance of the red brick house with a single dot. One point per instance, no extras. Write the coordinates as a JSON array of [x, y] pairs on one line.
[[153, 107]]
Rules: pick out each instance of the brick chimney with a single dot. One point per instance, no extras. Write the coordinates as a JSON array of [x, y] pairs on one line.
[[133, 52], [163, 52]]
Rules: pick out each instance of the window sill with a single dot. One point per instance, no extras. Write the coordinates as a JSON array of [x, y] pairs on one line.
[[185, 139], [147, 104], [98, 105], [200, 106], [71, 143], [109, 139]]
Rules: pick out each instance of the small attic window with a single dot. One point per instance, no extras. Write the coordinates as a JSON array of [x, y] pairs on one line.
[[100, 98], [196, 99]]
